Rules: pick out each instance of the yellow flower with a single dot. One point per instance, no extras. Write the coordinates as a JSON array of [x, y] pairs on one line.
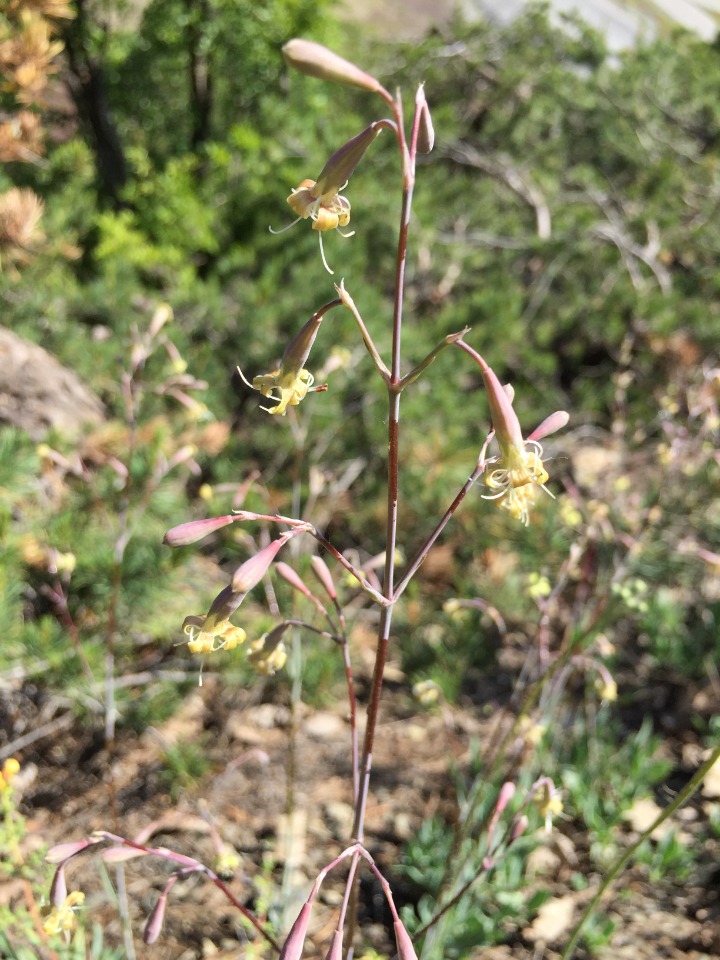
[[328, 211], [62, 919], [606, 688], [513, 478], [518, 472], [9, 769], [265, 657], [321, 200], [538, 586], [290, 383], [268, 654], [326, 207], [208, 634], [287, 389], [427, 692], [549, 802], [226, 863]]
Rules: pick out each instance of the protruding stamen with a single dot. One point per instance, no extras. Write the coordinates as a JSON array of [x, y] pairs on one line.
[[284, 229], [322, 254]]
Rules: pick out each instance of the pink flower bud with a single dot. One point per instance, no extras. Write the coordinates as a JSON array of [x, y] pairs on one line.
[[556, 421], [58, 887], [121, 854], [320, 569], [336, 946], [507, 792], [293, 578], [317, 61], [63, 851], [253, 570], [293, 946], [154, 924], [519, 829], [195, 530], [405, 949], [504, 419]]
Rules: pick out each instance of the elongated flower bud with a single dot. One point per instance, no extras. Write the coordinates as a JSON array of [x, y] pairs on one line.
[[253, 570], [336, 946], [426, 131], [63, 851], [293, 578], [58, 887], [163, 314], [293, 946], [507, 792], [318, 61], [504, 419], [153, 927], [556, 421], [519, 828], [195, 530], [121, 854], [405, 949], [320, 569], [298, 350], [341, 165]]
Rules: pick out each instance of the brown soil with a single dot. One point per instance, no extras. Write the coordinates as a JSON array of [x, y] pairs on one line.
[[72, 785]]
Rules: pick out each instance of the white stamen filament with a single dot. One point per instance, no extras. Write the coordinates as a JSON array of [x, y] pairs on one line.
[[283, 229], [322, 254]]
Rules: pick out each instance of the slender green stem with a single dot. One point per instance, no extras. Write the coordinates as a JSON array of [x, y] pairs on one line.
[[682, 797]]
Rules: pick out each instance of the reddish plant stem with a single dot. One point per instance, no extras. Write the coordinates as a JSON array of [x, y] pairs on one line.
[[446, 517], [189, 865], [408, 171]]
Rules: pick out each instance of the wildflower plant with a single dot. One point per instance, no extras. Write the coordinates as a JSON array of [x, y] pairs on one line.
[[510, 473], [511, 480]]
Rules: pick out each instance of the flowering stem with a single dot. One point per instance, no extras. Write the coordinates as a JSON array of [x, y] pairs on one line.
[[189, 865], [424, 364], [309, 626], [309, 528], [408, 173], [423, 551], [364, 332], [343, 561], [353, 718], [472, 353]]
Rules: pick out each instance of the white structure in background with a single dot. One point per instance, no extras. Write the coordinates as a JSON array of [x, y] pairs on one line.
[[622, 21]]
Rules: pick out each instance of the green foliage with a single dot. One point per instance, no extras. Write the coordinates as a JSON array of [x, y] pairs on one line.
[[79, 947], [604, 774], [668, 859], [185, 764], [496, 904]]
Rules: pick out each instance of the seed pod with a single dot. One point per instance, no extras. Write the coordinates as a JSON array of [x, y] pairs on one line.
[[316, 60], [426, 131]]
